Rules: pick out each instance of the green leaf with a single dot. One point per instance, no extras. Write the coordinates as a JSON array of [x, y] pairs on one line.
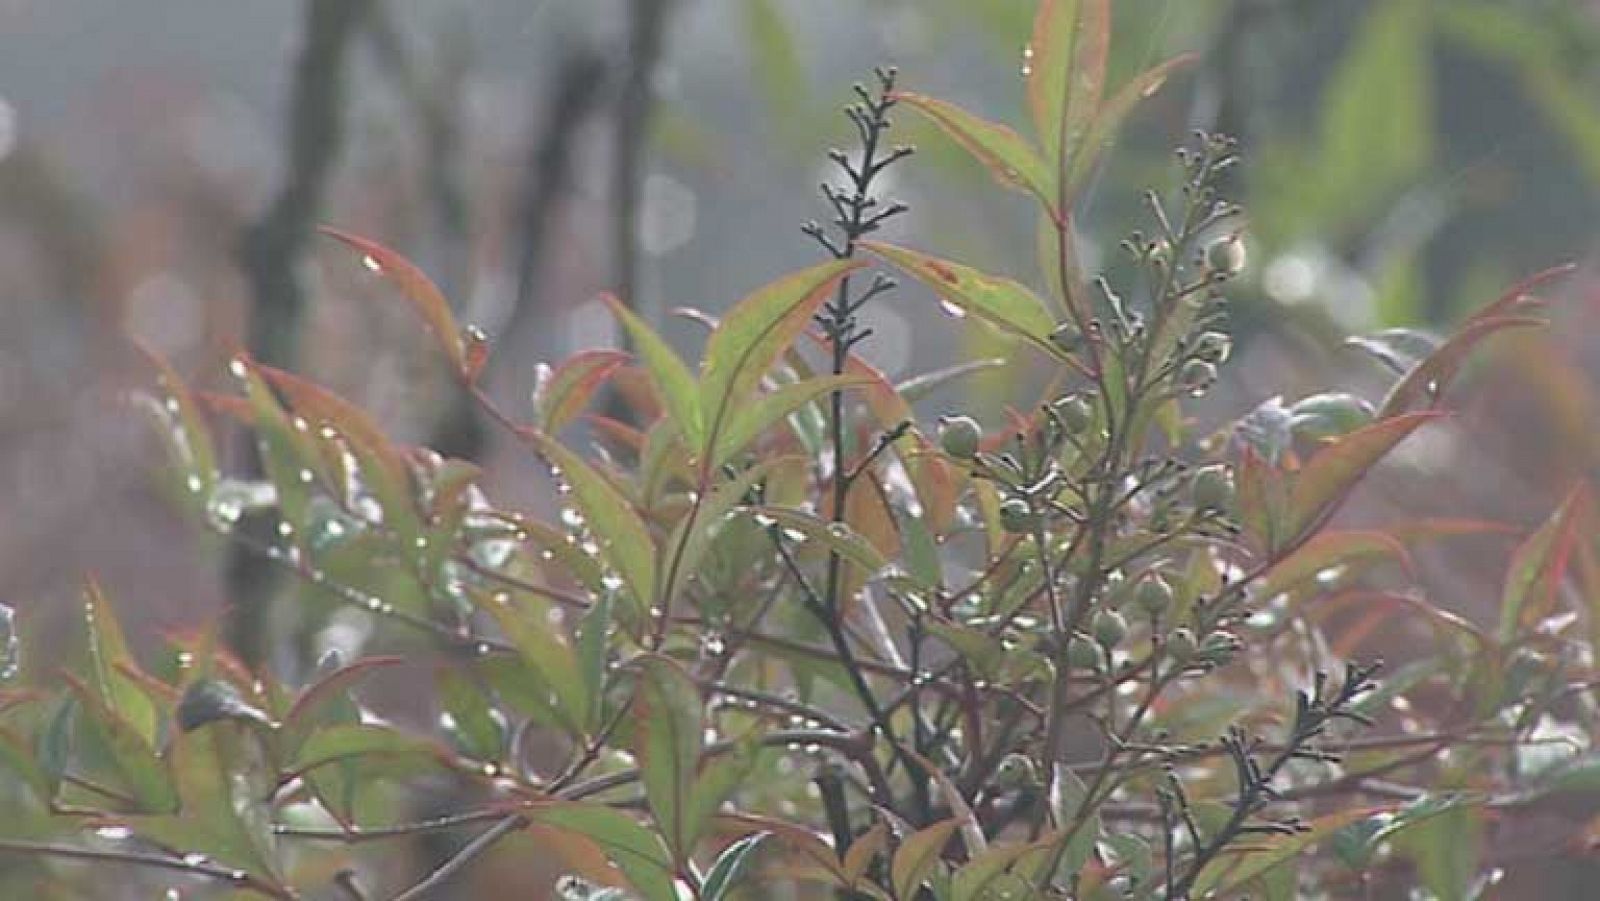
[[110, 664], [671, 378], [1108, 120], [16, 757], [636, 851], [327, 701], [1005, 304], [546, 653], [746, 423], [594, 632], [1008, 155], [753, 334], [730, 866], [477, 727], [1329, 415], [563, 392], [1539, 566], [835, 536], [286, 454], [696, 535], [1067, 797], [917, 856], [1066, 65], [423, 294], [1235, 868], [357, 742], [139, 770], [183, 428], [624, 539], [1325, 550], [667, 736], [1333, 471]]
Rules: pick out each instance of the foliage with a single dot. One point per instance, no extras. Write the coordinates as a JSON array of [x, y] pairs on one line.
[[782, 634]]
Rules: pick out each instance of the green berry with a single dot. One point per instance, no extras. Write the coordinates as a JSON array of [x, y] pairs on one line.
[[1074, 412], [1152, 595], [1226, 256], [1083, 653], [1109, 628], [960, 436], [1212, 488], [1213, 347], [1017, 516], [1197, 375], [1181, 645], [1219, 648]]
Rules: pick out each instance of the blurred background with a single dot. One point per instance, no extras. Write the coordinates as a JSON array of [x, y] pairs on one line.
[[162, 164]]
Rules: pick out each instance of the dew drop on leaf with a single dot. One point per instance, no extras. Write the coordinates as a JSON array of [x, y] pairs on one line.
[[952, 310]]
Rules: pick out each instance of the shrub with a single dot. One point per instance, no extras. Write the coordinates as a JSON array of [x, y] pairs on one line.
[[781, 635]]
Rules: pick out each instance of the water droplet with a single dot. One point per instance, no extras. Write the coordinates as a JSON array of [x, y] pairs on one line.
[[951, 309], [195, 484], [374, 603], [238, 368], [185, 659], [113, 833], [285, 529], [372, 264]]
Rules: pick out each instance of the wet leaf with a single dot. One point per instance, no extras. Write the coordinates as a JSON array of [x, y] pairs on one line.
[[672, 380], [636, 851], [139, 770], [1066, 65], [1109, 118], [917, 856], [562, 393], [420, 290], [730, 866], [1009, 156], [667, 739], [1327, 550], [113, 670], [1333, 471], [1007, 305], [834, 536]]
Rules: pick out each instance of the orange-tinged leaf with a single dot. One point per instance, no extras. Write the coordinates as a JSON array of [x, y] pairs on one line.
[[1065, 61], [565, 391], [1326, 550], [1426, 382], [1330, 473], [429, 301], [1103, 130], [1263, 500], [1009, 156], [752, 336], [673, 382], [1003, 303], [1540, 564]]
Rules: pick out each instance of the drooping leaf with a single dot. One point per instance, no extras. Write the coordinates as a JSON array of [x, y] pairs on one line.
[[1012, 160], [672, 379], [1330, 473], [420, 290], [753, 334], [917, 856], [624, 539], [667, 739], [1540, 564], [1007, 305]]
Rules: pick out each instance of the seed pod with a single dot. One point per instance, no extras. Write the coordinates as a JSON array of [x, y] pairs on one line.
[[1226, 256], [1213, 347], [1083, 653], [1181, 645], [1212, 488], [1017, 516], [1152, 595], [960, 436], [1109, 628]]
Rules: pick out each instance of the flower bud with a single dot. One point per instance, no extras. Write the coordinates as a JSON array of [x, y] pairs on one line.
[[1152, 595], [1181, 645], [1109, 628], [1017, 516], [960, 436], [1212, 488], [1218, 648], [1083, 653], [1226, 256]]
